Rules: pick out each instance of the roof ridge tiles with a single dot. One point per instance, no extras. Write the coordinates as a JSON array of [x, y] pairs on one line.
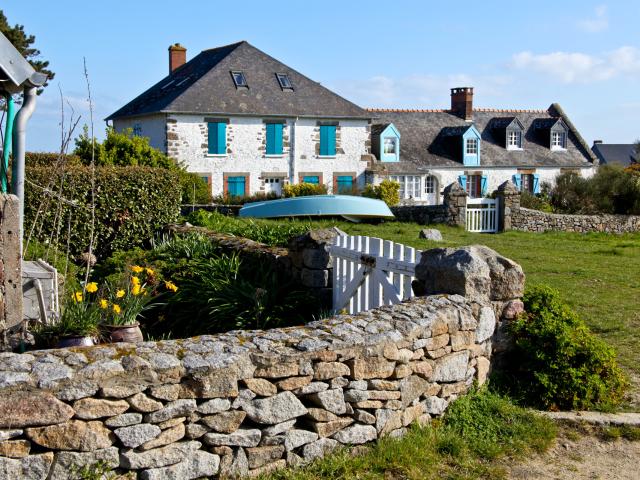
[[445, 110]]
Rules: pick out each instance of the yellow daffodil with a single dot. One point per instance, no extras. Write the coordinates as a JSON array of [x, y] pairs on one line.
[[135, 281], [171, 286], [120, 293], [150, 271], [136, 269], [92, 287], [116, 309], [77, 297], [103, 303], [135, 290]]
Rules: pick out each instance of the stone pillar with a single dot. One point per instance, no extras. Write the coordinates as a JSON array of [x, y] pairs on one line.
[[312, 263], [509, 203], [493, 283], [10, 268], [455, 202]]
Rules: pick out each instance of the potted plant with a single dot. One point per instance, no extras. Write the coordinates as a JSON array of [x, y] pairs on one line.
[[128, 299], [79, 320]]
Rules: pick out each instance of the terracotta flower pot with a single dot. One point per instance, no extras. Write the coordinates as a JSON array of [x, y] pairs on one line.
[[125, 333], [75, 341]]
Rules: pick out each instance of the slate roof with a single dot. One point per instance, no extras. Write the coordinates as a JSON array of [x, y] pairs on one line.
[[426, 139], [615, 153], [204, 85]]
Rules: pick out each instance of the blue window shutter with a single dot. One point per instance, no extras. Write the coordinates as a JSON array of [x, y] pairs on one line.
[[345, 183], [236, 186], [517, 181], [222, 138], [536, 183], [277, 138], [271, 138], [311, 179], [484, 185], [462, 180], [327, 140]]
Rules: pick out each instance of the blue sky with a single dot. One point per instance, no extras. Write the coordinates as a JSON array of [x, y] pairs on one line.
[[407, 54]]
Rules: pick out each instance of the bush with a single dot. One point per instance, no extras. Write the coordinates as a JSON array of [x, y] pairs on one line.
[[610, 190], [557, 362], [234, 200], [388, 191], [535, 202], [274, 233], [45, 159], [304, 190], [195, 191], [131, 204]]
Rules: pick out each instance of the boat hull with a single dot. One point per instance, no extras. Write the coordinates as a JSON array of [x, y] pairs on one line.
[[351, 207]]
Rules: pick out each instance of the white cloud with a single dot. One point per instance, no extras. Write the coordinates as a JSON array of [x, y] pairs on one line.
[[576, 67], [416, 90], [598, 23]]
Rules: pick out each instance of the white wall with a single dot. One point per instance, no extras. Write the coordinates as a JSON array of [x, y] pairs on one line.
[[151, 126]]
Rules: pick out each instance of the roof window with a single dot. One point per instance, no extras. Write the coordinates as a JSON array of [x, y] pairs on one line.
[[284, 81], [239, 79]]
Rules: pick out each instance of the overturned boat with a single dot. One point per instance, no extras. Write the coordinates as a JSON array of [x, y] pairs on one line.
[[350, 207]]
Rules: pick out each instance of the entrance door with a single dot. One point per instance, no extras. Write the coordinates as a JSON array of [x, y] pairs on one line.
[[431, 190], [273, 186], [236, 186]]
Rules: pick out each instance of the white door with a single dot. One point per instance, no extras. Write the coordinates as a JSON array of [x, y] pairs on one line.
[[431, 190], [273, 185]]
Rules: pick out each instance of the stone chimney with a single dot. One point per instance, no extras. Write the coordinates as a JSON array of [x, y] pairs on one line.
[[177, 56], [462, 102]]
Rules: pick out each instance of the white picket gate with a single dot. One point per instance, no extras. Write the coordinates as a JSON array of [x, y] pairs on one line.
[[482, 215], [369, 272]]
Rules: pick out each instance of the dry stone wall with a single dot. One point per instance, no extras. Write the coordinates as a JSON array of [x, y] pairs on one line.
[[246, 402]]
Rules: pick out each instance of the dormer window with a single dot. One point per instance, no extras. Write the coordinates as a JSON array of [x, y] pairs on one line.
[[239, 79], [558, 140], [514, 140], [284, 81], [472, 146], [390, 145]]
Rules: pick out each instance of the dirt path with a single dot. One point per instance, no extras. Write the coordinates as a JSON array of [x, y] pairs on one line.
[[578, 456]]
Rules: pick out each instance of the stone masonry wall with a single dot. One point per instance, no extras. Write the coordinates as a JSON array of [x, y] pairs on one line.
[[451, 212], [246, 402]]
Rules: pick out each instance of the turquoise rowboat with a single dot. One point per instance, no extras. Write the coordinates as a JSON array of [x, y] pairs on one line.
[[350, 207]]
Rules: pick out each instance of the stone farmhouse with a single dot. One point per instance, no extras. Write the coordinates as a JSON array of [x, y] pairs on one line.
[[247, 123]]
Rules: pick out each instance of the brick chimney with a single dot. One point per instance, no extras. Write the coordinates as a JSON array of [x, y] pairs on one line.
[[177, 56], [462, 102]]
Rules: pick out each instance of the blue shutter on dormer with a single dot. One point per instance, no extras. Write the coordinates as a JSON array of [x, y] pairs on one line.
[[484, 184], [462, 180], [536, 183], [517, 181]]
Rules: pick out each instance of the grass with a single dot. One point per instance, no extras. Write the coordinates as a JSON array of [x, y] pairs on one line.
[[478, 434]]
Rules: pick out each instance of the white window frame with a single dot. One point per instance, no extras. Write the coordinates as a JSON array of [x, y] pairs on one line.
[[471, 146], [558, 140], [430, 183], [514, 140], [410, 186]]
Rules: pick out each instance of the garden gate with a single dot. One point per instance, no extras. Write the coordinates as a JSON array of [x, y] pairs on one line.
[[482, 215], [369, 272]]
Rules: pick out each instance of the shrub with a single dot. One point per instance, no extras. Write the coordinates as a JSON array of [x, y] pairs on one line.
[[557, 362], [388, 191], [45, 159], [304, 190], [535, 202], [274, 233], [234, 200], [194, 189], [131, 204], [610, 190]]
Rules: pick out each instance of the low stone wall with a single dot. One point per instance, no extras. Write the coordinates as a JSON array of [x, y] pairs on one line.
[[528, 220], [451, 212], [247, 402], [513, 217]]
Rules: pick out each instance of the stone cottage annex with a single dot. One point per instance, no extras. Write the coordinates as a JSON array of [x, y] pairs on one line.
[[247, 123]]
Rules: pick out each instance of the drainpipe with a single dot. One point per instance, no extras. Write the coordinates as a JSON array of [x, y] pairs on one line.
[[19, 145], [6, 152]]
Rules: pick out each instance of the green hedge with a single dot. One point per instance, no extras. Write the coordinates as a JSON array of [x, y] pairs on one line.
[[50, 158], [132, 203]]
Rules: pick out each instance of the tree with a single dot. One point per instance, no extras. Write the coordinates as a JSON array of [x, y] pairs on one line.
[[24, 45]]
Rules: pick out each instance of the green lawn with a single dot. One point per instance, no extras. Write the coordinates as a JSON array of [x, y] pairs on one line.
[[597, 274]]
